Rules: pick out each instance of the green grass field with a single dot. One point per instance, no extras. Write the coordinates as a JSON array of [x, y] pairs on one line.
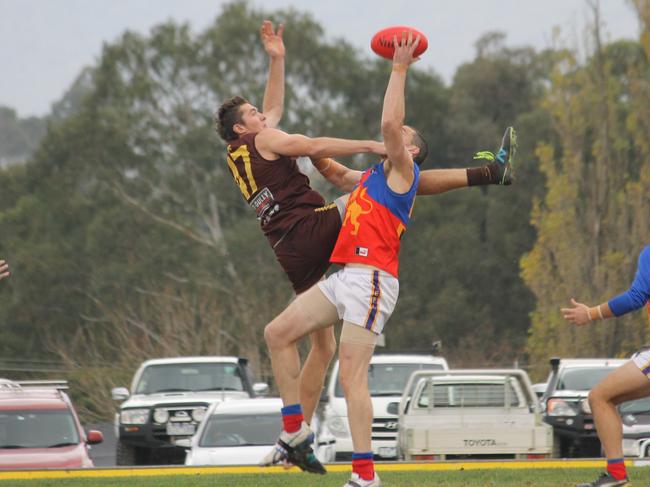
[[473, 478]]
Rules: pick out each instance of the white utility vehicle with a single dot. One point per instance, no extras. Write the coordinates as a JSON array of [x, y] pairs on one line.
[[490, 413], [168, 400], [387, 376]]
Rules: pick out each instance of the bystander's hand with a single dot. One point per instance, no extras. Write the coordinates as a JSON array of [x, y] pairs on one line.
[[4, 270]]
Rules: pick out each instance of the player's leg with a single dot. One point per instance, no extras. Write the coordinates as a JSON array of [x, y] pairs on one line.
[[496, 170], [314, 370], [625, 383], [310, 311], [356, 349]]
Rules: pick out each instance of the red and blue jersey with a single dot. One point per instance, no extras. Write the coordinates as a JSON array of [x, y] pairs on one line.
[[375, 219]]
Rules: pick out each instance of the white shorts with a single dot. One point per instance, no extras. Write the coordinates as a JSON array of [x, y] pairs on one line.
[[642, 360], [364, 297]]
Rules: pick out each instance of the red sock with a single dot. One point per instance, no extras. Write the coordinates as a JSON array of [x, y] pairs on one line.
[[616, 468], [363, 467], [292, 418]]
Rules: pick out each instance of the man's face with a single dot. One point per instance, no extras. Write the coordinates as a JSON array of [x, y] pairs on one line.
[[408, 134], [253, 121]]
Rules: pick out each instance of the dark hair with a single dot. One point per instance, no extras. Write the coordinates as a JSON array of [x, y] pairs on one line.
[[227, 116], [420, 143]]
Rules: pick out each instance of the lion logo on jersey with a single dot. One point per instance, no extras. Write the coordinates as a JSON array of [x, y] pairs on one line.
[[355, 209]]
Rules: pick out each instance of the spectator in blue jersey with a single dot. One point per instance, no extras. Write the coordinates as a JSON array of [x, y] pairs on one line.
[[628, 382], [4, 270]]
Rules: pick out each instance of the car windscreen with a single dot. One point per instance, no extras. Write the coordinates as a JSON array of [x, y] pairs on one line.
[[389, 379], [581, 378], [37, 429], [636, 407], [489, 394], [189, 377], [224, 430]]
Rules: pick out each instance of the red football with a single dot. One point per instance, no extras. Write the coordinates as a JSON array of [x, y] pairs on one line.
[[382, 41]]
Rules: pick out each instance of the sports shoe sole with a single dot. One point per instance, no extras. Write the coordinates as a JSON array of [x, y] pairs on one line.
[[508, 172]]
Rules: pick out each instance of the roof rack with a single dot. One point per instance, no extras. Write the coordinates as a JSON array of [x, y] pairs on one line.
[[59, 385]]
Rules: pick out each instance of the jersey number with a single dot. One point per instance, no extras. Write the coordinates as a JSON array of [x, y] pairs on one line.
[[242, 152]]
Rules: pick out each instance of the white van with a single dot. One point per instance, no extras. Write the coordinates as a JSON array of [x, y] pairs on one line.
[[387, 377]]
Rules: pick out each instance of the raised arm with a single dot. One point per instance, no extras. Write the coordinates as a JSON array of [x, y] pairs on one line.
[[399, 166], [273, 142], [336, 173], [273, 104]]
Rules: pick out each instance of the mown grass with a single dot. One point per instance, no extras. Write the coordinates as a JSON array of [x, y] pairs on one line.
[[471, 478]]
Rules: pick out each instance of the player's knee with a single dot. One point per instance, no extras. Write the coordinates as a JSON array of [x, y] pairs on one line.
[[272, 337], [596, 396], [349, 385]]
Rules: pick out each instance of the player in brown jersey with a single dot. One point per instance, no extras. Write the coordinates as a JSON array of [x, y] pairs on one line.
[[299, 226]]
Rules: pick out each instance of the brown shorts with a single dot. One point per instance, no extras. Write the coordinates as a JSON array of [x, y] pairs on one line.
[[304, 253]]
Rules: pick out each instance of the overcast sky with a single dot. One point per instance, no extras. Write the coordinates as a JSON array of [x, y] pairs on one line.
[[45, 43]]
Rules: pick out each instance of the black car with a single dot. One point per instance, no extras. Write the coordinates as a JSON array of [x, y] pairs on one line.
[[566, 407]]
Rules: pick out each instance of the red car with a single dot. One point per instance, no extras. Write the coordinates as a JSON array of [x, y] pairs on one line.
[[39, 427]]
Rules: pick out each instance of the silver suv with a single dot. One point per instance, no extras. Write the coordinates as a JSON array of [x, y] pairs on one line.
[[168, 400]]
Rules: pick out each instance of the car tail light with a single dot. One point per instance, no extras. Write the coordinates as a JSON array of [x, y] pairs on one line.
[[426, 458], [535, 456]]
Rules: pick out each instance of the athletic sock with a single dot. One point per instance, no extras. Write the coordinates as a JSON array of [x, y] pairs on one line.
[[363, 465], [616, 468], [486, 174], [292, 418]]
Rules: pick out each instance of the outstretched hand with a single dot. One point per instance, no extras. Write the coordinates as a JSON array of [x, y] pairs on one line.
[[404, 50], [4, 270], [578, 315], [273, 43]]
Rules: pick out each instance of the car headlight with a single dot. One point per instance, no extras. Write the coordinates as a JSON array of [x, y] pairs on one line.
[[584, 405], [134, 416], [160, 416], [198, 414], [560, 407], [338, 426]]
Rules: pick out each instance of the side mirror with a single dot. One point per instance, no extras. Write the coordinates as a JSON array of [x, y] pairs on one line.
[[120, 393], [184, 443], [393, 408], [261, 389], [94, 437]]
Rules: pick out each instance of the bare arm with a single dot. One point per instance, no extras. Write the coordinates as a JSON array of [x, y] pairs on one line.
[[274, 141], [582, 314], [273, 104], [436, 181], [336, 173], [4, 270], [399, 166]]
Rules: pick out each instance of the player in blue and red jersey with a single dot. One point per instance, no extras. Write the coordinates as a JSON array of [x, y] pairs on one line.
[[628, 382], [364, 293]]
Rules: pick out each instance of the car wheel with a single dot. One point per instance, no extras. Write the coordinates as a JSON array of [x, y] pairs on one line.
[[126, 454]]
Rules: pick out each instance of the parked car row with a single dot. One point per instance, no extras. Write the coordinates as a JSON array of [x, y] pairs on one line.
[[210, 411]]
